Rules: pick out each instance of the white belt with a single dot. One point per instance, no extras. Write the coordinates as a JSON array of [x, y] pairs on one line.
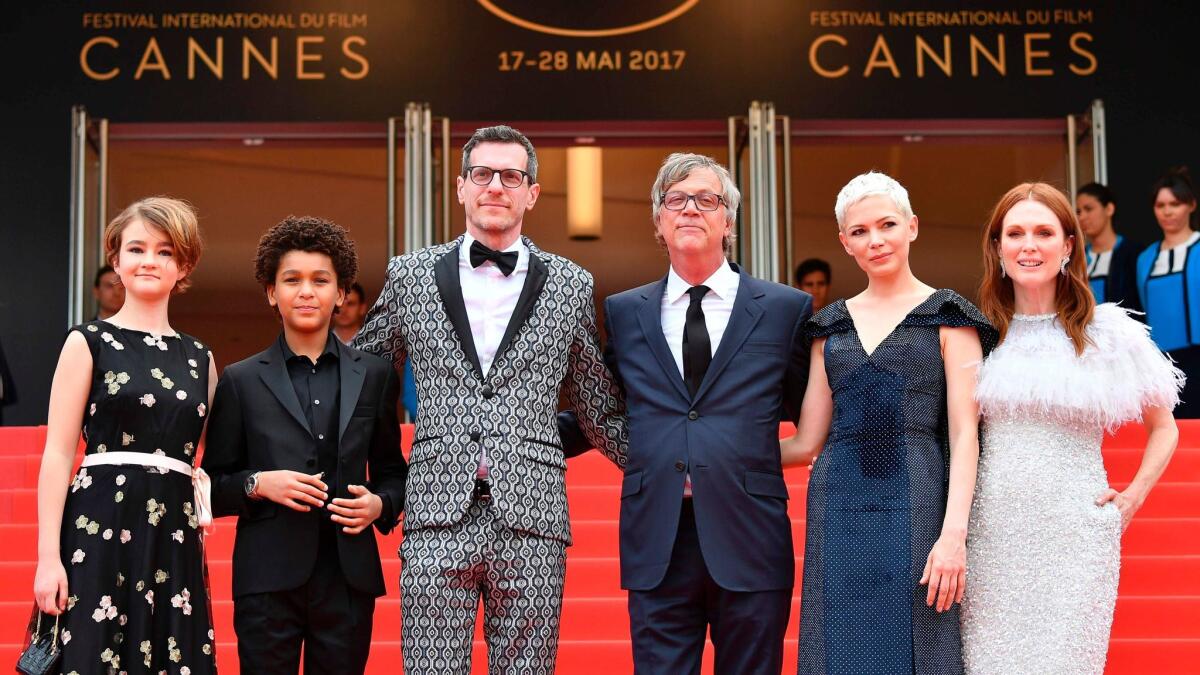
[[201, 484]]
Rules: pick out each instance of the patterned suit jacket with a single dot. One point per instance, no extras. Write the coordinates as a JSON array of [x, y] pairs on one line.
[[550, 345]]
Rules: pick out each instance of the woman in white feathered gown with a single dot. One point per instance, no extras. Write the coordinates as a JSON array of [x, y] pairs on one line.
[[1044, 543]]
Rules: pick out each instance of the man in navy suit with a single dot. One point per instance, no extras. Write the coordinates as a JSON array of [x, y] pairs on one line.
[[710, 359]]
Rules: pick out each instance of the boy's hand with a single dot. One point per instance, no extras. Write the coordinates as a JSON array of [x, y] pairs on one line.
[[295, 490], [358, 513]]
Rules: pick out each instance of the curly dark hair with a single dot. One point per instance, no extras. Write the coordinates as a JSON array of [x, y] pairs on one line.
[[312, 235]]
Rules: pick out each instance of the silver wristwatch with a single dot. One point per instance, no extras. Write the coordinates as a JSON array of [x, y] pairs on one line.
[[251, 485]]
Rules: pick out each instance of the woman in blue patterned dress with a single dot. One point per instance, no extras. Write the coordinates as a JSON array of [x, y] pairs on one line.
[[120, 560], [890, 418]]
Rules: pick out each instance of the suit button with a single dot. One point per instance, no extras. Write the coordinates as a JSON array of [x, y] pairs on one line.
[[311, 462], [475, 436], [693, 415], [488, 392], [680, 466]]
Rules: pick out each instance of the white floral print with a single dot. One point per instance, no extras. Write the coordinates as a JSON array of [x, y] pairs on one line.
[[181, 394], [115, 380], [148, 400], [112, 342], [181, 601], [156, 511], [200, 409], [126, 535]]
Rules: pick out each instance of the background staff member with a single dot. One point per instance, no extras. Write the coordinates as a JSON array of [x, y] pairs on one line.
[[1168, 277], [1111, 257]]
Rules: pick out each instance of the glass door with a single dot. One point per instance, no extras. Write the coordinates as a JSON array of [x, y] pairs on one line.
[[426, 177], [760, 162], [89, 189], [1087, 157]]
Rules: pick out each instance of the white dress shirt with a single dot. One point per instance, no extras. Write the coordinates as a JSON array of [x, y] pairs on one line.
[[490, 298], [717, 306]]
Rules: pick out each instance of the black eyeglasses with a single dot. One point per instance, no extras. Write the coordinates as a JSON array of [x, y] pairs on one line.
[[509, 178], [705, 201]]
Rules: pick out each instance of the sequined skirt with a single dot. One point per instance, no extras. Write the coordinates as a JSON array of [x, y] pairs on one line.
[[1042, 559]]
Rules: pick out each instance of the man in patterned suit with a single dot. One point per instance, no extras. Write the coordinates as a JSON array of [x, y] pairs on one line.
[[494, 328]]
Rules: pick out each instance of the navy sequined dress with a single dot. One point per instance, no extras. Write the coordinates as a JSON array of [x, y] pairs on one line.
[[877, 497]]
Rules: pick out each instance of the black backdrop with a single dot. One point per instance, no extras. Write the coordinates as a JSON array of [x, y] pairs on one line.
[[703, 59]]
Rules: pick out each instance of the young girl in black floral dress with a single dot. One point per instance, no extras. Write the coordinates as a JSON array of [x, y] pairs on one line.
[[120, 560]]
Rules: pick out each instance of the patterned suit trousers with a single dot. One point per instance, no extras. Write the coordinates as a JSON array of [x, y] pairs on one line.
[[448, 570]]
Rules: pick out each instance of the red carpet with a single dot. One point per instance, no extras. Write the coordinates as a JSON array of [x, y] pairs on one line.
[[1156, 630]]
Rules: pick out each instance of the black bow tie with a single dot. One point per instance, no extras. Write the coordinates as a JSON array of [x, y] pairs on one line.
[[506, 261]]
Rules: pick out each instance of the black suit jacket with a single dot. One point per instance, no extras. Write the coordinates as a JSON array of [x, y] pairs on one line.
[[257, 425]]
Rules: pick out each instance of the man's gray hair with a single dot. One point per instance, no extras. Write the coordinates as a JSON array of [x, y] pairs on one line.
[[501, 133], [677, 167], [870, 184]]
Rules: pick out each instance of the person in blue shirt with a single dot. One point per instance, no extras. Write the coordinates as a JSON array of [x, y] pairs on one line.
[[1111, 257], [1168, 279]]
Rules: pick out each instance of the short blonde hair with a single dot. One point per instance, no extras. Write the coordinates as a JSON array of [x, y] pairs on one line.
[[172, 217], [871, 184]]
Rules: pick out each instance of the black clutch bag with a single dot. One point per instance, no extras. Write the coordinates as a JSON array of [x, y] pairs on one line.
[[41, 655]]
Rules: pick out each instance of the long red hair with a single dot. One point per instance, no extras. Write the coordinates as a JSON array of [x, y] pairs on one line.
[[1073, 299]]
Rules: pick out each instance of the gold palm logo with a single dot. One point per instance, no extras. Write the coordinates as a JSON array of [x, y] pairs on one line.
[[682, 8]]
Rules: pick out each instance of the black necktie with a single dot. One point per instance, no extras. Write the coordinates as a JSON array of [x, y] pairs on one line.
[[506, 261], [697, 349]]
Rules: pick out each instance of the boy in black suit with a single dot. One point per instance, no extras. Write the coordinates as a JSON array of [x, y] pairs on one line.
[[292, 427]]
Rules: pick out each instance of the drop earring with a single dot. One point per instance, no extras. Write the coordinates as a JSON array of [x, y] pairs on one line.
[[1062, 267], [1002, 274]]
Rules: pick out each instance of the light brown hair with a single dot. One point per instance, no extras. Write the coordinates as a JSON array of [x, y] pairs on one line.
[[1073, 298], [174, 218]]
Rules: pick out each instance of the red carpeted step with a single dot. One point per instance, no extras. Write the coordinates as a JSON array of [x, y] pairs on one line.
[[1122, 463], [22, 440], [1159, 575], [1141, 616], [1162, 536]]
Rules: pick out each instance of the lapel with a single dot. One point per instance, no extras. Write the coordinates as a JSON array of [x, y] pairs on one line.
[[650, 319], [450, 288], [352, 373], [535, 280], [742, 320], [274, 374]]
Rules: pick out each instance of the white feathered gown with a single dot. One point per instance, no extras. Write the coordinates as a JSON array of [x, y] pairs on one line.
[[1042, 558]]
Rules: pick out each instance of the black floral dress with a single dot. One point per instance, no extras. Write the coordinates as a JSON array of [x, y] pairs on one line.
[[137, 580]]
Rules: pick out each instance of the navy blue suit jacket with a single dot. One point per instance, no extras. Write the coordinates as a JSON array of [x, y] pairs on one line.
[[726, 437]]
